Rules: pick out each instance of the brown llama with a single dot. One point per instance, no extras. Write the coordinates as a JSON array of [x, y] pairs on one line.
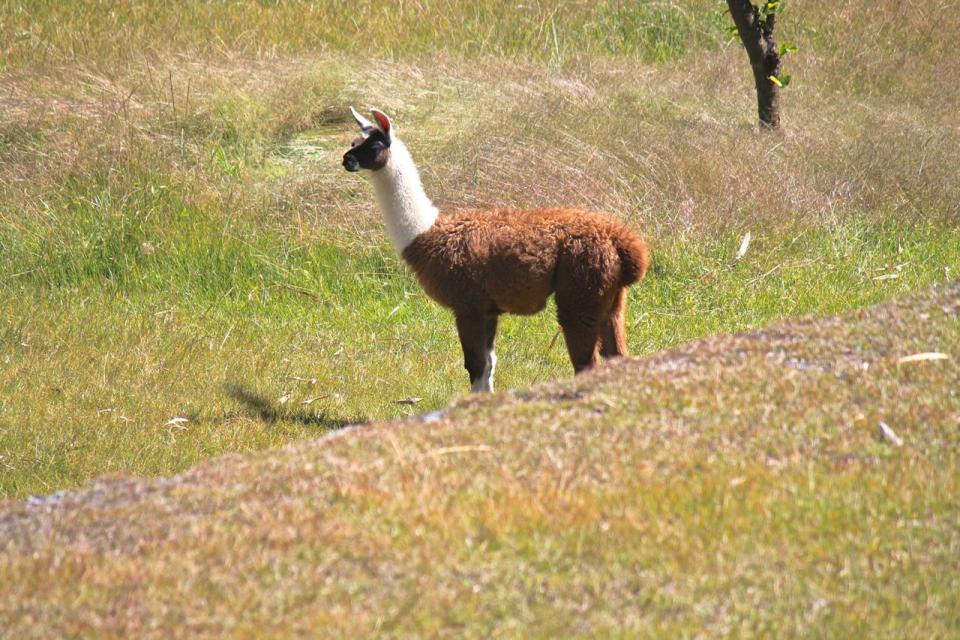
[[482, 263]]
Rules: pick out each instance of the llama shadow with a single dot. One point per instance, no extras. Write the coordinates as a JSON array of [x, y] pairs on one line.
[[262, 408]]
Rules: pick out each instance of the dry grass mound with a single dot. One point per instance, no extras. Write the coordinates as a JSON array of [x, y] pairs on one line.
[[698, 491]]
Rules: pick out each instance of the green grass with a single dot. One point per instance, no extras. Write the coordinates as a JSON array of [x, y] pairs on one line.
[[654, 31], [104, 344]]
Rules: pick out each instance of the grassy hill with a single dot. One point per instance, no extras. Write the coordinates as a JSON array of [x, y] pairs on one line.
[[700, 491]]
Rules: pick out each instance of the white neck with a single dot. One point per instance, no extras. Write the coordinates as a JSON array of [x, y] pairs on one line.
[[406, 208]]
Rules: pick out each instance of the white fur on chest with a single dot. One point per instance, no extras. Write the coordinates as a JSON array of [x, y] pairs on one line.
[[406, 209]]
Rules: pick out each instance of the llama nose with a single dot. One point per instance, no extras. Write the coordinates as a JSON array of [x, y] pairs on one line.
[[350, 163]]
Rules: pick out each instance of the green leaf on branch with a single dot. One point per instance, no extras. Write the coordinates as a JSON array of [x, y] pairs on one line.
[[770, 8], [782, 81], [786, 48]]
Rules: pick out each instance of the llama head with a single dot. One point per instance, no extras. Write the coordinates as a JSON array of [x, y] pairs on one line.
[[371, 150]]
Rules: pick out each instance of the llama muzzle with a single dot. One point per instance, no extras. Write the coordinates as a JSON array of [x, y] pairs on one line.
[[350, 163]]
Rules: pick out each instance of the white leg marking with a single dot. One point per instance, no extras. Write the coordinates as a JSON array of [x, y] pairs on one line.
[[491, 366], [485, 382]]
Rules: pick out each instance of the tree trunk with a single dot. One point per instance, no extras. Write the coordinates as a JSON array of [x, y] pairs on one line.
[[756, 34]]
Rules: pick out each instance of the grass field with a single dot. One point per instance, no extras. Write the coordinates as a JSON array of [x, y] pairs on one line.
[[186, 271]]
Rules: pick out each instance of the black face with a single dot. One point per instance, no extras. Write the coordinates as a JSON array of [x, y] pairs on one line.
[[370, 151]]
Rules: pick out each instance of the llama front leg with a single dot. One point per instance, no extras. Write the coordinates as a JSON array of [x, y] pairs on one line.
[[490, 335], [471, 327]]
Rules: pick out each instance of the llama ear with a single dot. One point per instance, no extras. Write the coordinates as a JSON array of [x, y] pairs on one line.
[[382, 120], [364, 124]]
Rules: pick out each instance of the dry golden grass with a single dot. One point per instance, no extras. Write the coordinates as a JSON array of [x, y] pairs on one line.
[[869, 126]]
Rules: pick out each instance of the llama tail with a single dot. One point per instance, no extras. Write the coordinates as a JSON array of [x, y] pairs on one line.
[[634, 256]]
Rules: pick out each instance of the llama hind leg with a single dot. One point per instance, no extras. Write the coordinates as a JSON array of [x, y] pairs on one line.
[[583, 345], [613, 333], [581, 331]]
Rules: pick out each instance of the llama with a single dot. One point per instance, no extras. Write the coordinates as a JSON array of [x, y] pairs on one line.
[[483, 263]]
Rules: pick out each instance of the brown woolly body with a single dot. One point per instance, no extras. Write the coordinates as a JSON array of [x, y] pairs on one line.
[[481, 263], [496, 261]]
